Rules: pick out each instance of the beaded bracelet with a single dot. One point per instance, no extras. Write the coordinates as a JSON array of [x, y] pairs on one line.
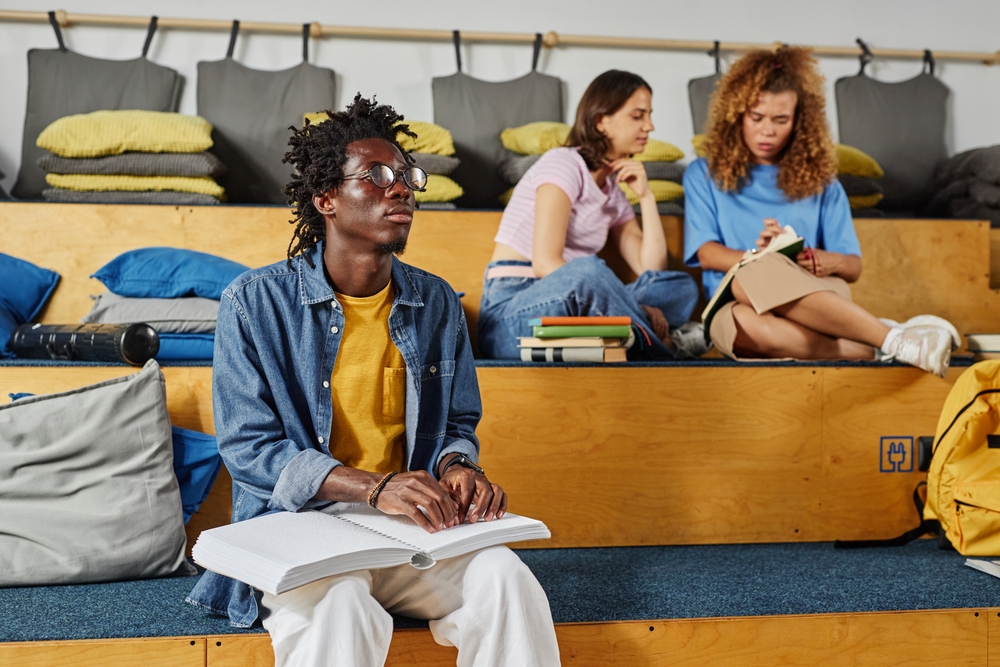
[[373, 495]]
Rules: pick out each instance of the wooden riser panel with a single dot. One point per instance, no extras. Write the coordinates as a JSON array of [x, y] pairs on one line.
[[653, 456], [938, 638]]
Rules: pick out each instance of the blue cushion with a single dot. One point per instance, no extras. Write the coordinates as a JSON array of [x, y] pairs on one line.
[[186, 347], [196, 464], [24, 289], [168, 273]]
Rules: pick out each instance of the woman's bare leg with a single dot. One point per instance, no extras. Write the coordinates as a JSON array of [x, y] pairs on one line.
[[830, 314], [774, 337]]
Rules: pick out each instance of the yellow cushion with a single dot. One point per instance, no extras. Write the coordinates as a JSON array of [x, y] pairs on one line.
[[504, 197], [439, 189], [698, 141], [315, 118], [535, 138], [114, 132], [202, 185], [431, 138], [662, 191], [659, 151], [852, 162], [865, 201]]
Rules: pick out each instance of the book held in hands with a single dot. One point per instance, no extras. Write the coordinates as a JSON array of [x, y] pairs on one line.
[[277, 552]]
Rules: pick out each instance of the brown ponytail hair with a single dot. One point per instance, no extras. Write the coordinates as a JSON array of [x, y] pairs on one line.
[[605, 95]]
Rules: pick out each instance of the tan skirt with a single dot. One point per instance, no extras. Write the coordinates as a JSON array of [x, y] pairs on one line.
[[770, 282]]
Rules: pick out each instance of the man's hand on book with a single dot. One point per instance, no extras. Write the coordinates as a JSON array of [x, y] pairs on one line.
[[475, 495], [407, 490]]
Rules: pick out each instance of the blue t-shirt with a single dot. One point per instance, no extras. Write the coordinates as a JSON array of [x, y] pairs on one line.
[[735, 219]]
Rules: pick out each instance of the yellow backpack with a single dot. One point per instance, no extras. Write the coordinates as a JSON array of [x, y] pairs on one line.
[[963, 480], [963, 483]]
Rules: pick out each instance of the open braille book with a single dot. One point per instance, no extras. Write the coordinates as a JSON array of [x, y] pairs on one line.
[[277, 552]]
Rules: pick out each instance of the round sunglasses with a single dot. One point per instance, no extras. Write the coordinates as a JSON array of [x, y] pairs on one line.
[[383, 176]]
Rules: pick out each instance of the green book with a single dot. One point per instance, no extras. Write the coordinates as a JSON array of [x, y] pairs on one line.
[[602, 331]]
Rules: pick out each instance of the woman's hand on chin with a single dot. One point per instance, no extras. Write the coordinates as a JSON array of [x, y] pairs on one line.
[[632, 173]]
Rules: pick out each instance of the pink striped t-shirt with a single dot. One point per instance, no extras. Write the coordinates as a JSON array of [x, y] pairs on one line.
[[595, 210]]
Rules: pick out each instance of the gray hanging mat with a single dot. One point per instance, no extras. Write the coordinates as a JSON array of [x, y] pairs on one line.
[[476, 112], [901, 125], [700, 93], [251, 112], [63, 83]]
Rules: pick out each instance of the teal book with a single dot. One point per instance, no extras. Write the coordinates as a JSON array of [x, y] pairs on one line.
[[601, 331]]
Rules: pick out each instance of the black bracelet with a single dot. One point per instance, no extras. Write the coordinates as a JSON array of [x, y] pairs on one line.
[[374, 493]]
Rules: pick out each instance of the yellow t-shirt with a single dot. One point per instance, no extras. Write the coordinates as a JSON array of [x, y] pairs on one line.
[[368, 387]]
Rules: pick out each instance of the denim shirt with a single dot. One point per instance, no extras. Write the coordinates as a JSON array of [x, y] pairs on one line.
[[276, 342]]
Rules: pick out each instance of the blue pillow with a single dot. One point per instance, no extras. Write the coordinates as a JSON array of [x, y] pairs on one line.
[[186, 347], [24, 289], [168, 273], [196, 465]]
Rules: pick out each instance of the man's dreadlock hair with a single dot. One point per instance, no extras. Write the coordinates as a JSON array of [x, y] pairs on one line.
[[319, 152]]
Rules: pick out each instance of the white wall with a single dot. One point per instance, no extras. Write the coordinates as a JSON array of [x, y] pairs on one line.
[[400, 72]]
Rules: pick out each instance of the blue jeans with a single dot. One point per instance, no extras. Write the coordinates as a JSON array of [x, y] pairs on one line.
[[583, 286]]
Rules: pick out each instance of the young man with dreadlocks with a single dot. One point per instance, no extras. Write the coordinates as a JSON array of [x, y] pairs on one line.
[[343, 374]]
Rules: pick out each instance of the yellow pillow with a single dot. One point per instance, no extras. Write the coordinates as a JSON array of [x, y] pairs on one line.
[[865, 201], [202, 185], [504, 197], [698, 141], [535, 138], [659, 151], [315, 118], [439, 189], [431, 138], [114, 132], [662, 191], [853, 162]]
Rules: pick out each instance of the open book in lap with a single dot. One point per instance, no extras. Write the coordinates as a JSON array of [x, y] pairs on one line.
[[277, 552], [788, 243]]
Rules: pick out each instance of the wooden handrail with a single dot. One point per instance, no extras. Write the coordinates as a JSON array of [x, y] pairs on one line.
[[550, 39]]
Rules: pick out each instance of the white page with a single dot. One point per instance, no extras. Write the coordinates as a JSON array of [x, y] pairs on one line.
[[989, 567]]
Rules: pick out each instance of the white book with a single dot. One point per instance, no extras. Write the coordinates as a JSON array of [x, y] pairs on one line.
[[277, 552], [987, 566]]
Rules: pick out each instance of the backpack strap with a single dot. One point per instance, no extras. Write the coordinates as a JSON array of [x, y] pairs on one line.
[[907, 537]]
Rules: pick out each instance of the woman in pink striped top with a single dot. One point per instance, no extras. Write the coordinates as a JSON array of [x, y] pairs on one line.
[[564, 211]]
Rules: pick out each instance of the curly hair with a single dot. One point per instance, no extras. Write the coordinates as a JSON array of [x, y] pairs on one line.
[[319, 152], [604, 96], [808, 163]]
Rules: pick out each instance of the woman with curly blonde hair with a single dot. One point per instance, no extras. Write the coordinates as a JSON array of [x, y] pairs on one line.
[[770, 163]]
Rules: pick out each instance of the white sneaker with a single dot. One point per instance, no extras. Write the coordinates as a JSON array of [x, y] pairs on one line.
[[928, 321], [927, 348], [689, 340]]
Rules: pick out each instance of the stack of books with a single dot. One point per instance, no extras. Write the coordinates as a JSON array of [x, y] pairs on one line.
[[984, 346], [580, 339]]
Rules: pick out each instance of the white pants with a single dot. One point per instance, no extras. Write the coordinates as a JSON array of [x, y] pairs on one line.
[[487, 603]]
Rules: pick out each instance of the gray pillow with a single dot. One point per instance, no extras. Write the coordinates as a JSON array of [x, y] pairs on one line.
[[166, 197], [664, 171], [436, 164], [190, 314], [675, 207], [985, 193], [513, 166], [87, 486], [858, 186], [867, 213], [980, 163], [137, 164], [437, 206], [970, 209], [939, 205]]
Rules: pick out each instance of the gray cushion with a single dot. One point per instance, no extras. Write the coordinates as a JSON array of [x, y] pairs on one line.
[[970, 209], [87, 486], [675, 207], [191, 314], [437, 206], [981, 163], [664, 171], [476, 112], [867, 213], [514, 166], [939, 205], [436, 164], [700, 98], [137, 164], [166, 197], [985, 193], [63, 83], [858, 186]]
